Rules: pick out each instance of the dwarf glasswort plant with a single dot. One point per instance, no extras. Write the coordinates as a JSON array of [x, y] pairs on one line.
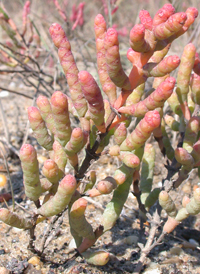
[[106, 116], [20, 50]]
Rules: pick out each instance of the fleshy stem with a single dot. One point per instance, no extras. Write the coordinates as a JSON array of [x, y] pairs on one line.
[[91, 152]]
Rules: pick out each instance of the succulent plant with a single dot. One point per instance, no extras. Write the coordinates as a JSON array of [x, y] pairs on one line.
[[104, 128]]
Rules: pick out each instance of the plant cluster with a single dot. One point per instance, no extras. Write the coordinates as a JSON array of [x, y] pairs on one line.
[[20, 50], [105, 119]]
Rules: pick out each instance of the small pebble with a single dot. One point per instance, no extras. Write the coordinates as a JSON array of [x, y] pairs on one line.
[[29, 202], [193, 242], [176, 250], [41, 159], [21, 86], [12, 85], [4, 93], [2, 251], [35, 260], [163, 253], [67, 169], [153, 271], [187, 245], [172, 260], [187, 188], [16, 230], [153, 268], [44, 270], [130, 240], [3, 180], [72, 244], [4, 270], [15, 240], [195, 187]]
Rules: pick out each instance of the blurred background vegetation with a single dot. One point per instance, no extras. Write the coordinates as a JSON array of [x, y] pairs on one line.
[[29, 63]]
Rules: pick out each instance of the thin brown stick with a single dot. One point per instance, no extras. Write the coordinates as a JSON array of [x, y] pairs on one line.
[[32, 236], [16, 92], [155, 223], [26, 67], [55, 230], [12, 148], [47, 237]]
